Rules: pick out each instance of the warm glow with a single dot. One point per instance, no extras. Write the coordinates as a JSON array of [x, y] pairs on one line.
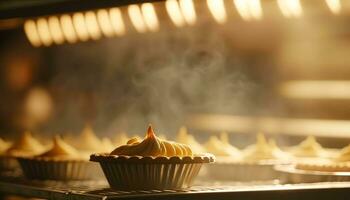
[[68, 29], [249, 9], [117, 22], [104, 22], [44, 32], [174, 12], [217, 9], [92, 25], [137, 18], [316, 89], [150, 17], [334, 6], [290, 8], [55, 30], [32, 33], [290, 126], [80, 26], [188, 11]]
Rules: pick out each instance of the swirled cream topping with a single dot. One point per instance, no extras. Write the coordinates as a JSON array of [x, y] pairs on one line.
[[26, 145], [185, 138], [262, 150], [344, 155], [60, 149], [151, 145], [222, 147], [308, 148]]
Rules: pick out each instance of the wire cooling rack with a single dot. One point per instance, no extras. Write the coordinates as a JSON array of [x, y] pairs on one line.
[[99, 190]]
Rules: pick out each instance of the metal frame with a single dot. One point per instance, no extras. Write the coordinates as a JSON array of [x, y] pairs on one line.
[[98, 190]]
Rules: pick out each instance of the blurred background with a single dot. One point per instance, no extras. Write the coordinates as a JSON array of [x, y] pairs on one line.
[[280, 67]]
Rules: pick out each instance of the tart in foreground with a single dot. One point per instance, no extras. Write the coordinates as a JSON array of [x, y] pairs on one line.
[[152, 163]]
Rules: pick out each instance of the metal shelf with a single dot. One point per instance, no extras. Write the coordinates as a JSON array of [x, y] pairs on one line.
[[99, 190]]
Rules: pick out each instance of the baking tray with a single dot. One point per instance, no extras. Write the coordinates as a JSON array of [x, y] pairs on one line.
[[99, 190]]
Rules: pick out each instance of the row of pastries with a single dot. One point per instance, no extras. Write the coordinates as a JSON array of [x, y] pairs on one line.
[[88, 142], [73, 154]]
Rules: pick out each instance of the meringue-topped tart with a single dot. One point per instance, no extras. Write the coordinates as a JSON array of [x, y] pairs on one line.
[[60, 162], [4, 146], [308, 148], [262, 150], [26, 145], [151, 163], [88, 141], [61, 150]]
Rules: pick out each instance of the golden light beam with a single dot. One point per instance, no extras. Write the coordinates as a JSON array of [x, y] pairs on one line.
[[32, 33], [173, 9], [117, 22], [44, 31], [310, 89], [68, 28], [334, 6], [188, 11], [137, 18], [92, 25], [105, 23], [290, 8], [150, 17], [80, 26], [55, 30], [217, 9]]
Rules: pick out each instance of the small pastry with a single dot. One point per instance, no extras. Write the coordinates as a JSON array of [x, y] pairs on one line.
[[4, 146], [309, 148], [6, 163], [88, 142], [263, 151], [185, 138], [222, 148], [151, 163], [26, 145], [61, 162], [107, 144]]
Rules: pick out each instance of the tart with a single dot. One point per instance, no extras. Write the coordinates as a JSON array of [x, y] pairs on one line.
[[61, 162], [222, 148], [184, 137], [89, 143], [25, 146], [256, 163], [151, 163], [309, 148]]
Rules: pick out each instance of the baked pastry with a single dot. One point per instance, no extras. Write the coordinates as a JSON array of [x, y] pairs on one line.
[[88, 142], [185, 138], [151, 163], [257, 163], [26, 145], [222, 148], [309, 148], [264, 151], [61, 162], [4, 146]]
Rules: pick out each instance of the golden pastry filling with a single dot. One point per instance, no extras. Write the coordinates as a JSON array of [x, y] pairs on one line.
[[152, 145]]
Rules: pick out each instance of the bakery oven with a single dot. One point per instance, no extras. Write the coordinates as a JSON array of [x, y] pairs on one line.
[[262, 85]]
